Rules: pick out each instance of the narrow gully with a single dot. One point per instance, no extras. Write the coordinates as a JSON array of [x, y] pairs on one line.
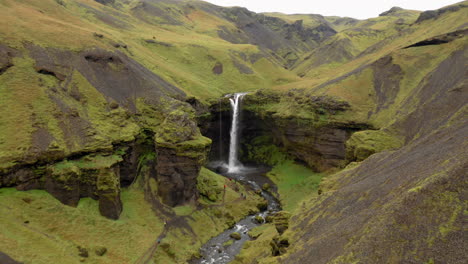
[[218, 250]]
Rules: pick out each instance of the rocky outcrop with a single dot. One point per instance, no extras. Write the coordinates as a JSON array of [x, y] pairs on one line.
[[105, 133], [181, 151], [287, 41], [6, 55], [96, 176], [405, 206], [434, 14], [315, 139], [442, 39], [5, 259], [392, 11]]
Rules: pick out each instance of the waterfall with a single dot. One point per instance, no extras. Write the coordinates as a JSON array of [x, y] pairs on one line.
[[233, 164]]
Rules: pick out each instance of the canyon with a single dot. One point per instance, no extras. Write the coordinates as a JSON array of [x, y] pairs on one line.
[[144, 131]]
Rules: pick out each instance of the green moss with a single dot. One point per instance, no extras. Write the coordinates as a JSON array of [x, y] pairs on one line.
[[55, 230], [259, 249], [88, 162], [262, 149], [209, 185], [362, 144], [295, 182], [183, 210]]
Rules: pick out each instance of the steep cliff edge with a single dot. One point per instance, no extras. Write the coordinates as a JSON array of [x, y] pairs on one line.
[[85, 120], [102, 104]]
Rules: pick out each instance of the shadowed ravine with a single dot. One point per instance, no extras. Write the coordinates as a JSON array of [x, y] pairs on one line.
[[218, 250], [215, 251]]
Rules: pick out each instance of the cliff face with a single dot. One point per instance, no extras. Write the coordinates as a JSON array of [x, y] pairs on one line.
[[83, 143], [104, 100]]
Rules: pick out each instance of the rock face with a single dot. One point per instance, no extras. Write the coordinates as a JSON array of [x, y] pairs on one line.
[[320, 144], [5, 259], [6, 55], [68, 181], [433, 14], [97, 147], [322, 148], [407, 196], [287, 40], [442, 39]]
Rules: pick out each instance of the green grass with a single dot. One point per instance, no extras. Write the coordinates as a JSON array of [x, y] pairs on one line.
[[295, 183], [54, 230]]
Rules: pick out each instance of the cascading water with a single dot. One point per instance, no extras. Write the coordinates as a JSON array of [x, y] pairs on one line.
[[217, 250], [233, 163]]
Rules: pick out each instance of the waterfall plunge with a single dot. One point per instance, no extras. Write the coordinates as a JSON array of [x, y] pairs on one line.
[[233, 164]]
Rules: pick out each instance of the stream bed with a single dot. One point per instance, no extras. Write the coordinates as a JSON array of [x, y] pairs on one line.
[[215, 251]]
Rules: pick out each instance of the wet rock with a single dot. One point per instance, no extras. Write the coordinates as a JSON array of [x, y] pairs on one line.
[[221, 170], [228, 243], [262, 206], [235, 236], [259, 219]]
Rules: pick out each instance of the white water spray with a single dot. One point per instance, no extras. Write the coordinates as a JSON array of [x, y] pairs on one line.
[[233, 164]]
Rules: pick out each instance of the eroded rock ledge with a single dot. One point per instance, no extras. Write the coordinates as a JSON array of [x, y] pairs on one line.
[[99, 136], [306, 127]]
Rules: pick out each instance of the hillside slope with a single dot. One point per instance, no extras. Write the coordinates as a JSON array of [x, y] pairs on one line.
[[113, 100]]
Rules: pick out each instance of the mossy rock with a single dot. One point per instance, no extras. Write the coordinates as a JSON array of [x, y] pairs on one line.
[[228, 243], [100, 251], [362, 144], [281, 221], [266, 187], [209, 185], [235, 235], [262, 206], [259, 219]]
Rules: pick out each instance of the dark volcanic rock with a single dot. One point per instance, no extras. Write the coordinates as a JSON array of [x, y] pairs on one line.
[[5, 259], [433, 14], [108, 189], [218, 68], [391, 11], [177, 183], [105, 2], [387, 76], [112, 73], [409, 200], [6, 55], [394, 200], [441, 39]]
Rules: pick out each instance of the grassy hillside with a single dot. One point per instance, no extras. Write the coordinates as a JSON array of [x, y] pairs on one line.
[[101, 104]]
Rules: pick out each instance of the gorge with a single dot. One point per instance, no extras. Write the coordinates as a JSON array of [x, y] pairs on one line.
[[173, 131]]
